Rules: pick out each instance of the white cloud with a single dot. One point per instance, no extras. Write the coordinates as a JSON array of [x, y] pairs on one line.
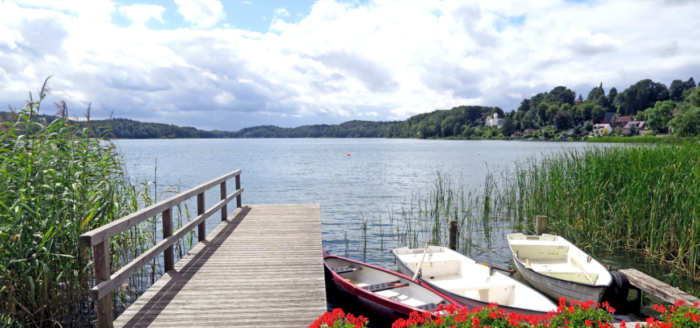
[[282, 12], [140, 14], [246, 2], [387, 59], [201, 13]]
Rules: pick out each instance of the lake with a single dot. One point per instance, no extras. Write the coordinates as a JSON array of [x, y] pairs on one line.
[[350, 178], [354, 180]]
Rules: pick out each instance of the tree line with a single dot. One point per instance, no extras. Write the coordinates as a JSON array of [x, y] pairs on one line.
[[674, 109]]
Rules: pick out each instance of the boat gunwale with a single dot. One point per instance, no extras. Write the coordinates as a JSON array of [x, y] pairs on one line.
[[507, 307], [361, 290]]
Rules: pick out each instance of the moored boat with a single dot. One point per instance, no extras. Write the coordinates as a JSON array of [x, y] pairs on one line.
[[470, 283], [558, 268], [386, 292]]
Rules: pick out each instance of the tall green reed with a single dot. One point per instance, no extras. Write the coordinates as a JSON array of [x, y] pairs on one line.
[[57, 182]]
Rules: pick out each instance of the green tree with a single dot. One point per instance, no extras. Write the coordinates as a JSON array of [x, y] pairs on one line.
[[524, 105], [598, 113], [536, 100], [588, 126], [508, 127], [639, 96], [542, 111], [659, 116], [595, 94], [528, 121], [586, 111], [612, 94], [563, 120], [560, 95], [551, 111], [694, 97], [687, 124]]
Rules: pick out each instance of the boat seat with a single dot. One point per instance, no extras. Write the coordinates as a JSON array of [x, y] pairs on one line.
[[346, 269], [428, 307], [379, 287]]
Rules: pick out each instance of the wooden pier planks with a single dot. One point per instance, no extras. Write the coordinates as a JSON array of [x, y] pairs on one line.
[[261, 267], [657, 288]]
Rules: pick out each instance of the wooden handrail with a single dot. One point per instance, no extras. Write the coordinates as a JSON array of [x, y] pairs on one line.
[[96, 236], [99, 239]]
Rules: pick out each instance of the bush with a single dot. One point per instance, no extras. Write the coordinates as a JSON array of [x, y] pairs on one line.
[[649, 133]]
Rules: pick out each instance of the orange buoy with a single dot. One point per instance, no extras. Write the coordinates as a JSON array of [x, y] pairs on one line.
[[348, 154]]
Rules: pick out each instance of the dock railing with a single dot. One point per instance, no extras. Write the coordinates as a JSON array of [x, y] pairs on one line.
[[98, 239]]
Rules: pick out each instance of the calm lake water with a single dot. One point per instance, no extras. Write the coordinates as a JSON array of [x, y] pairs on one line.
[[351, 179]]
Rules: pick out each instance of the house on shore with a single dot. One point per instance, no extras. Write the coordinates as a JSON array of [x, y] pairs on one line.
[[601, 129], [621, 121], [640, 126], [494, 120]]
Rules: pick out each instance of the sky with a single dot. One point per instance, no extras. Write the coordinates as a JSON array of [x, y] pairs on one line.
[[217, 64]]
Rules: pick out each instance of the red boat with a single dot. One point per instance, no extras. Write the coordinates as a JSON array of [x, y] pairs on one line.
[[386, 292]]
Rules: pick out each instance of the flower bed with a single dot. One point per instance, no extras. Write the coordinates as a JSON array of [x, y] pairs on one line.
[[338, 319], [576, 314]]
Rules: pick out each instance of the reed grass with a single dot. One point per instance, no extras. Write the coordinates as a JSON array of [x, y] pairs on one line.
[[642, 199], [56, 183]]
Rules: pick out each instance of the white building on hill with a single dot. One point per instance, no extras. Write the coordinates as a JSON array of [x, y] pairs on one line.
[[494, 121]]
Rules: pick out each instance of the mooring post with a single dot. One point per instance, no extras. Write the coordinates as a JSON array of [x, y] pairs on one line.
[[453, 235], [101, 259], [202, 228], [541, 224]]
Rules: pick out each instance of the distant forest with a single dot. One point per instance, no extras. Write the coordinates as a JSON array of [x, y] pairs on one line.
[[674, 109]]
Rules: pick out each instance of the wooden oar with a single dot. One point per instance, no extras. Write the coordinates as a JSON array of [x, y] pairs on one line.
[[399, 286], [580, 267], [425, 251], [495, 267]]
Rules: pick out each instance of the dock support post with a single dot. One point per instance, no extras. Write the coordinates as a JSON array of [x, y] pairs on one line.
[[541, 224], [238, 186], [224, 210], [202, 228], [453, 235], [104, 305], [168, 258]]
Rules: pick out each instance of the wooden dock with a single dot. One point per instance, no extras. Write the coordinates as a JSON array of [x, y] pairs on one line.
[[261, 266]]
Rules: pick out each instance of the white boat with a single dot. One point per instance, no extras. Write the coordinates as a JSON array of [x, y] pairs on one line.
[[558, 268], [470, 283]]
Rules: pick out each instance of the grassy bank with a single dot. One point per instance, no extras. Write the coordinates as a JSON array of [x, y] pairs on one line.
[[641, 140], [57, 182]]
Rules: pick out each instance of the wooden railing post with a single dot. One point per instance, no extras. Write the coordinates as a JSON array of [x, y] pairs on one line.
[[224, 211], [202, 228], [238, 186], [104, 305], [168, 258]]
